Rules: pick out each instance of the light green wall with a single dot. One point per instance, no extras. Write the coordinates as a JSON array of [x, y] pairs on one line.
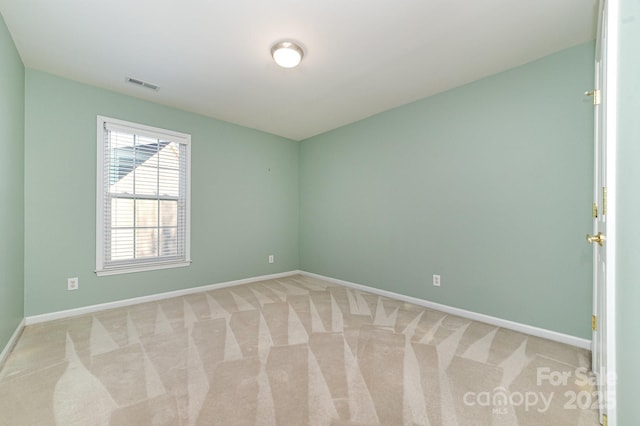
[[244, 197], [488, 185], [11, 186], [628, 215]]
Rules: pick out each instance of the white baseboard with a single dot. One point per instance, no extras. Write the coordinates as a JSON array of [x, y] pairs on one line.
[[35, 319], [511, 325], [11, 343], [499, 322]]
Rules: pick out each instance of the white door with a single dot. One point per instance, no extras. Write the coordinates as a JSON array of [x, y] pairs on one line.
[[599, 213]]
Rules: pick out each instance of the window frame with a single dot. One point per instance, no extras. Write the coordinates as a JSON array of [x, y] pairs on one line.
[[137, 265]]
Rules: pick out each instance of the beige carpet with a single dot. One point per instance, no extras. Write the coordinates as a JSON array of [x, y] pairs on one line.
[[292, 351]]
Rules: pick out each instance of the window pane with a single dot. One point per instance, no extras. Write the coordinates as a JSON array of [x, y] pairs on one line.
[[169, 182], [121, 244], [121, 139], [169, 156], [146, 242], [146, 150], [146, 213], [146, 180], [168, 213], [121, 212], [121, 177], [168, 242], [121, 162]]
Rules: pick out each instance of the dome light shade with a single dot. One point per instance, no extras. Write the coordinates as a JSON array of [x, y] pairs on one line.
[[287, 54]]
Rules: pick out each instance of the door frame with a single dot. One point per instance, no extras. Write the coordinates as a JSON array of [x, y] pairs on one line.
[[606, 77]]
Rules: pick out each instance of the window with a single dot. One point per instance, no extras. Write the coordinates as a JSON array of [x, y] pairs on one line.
[[143, 192]]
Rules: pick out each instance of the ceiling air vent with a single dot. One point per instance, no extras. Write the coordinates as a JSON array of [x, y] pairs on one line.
[[143, 83]]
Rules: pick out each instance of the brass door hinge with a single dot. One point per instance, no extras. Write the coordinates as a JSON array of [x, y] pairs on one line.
[[594, 210], [594, 322], [604, 420], [604, 200], [597, 96]]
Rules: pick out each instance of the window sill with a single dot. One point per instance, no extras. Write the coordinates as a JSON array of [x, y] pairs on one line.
[[141, 268]]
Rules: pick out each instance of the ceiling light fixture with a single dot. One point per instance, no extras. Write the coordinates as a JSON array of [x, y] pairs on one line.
[[287, 54]]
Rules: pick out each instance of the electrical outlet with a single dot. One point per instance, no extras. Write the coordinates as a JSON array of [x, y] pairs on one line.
[[72, 283], [436, 280], [270, 258]]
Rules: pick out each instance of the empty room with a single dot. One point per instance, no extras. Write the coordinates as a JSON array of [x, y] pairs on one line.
[[319, 213]]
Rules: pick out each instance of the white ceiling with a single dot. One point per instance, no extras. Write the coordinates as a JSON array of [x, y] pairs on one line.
[[362, 57]]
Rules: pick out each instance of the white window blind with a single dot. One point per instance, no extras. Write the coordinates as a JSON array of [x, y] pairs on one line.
[[143, 198]]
